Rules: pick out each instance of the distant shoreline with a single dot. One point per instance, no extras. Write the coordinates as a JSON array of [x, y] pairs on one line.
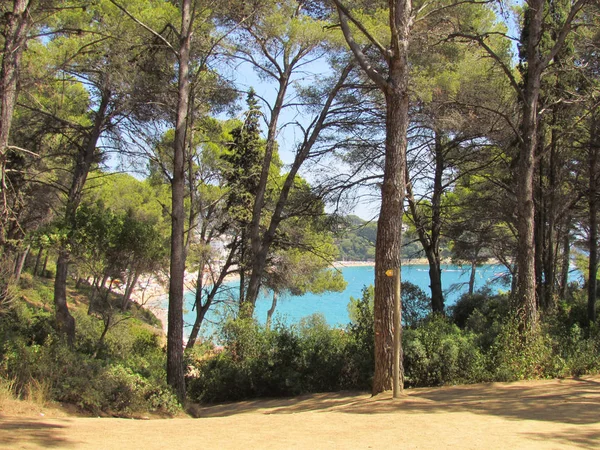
[[151, 292], [405, 262]]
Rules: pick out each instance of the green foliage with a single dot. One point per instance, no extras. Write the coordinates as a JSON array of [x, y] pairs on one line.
[[438, 352], [123, 376], [283, 361], [518, 355]]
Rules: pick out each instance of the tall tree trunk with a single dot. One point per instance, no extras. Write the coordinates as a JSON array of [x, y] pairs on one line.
[[552, 246], [175, 372], [82, 168], [257, 248], [540, 231], [389, 228], [526, 284], [435, 262], [433, 256], [394, 86], [17, 24], [593, 193], [262, 245]]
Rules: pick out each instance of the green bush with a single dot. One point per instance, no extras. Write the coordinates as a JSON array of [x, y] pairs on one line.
[[127, 376], [438, 353], [518, 355], [283, 361]]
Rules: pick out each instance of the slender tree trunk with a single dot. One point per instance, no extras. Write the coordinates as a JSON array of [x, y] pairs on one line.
[[198, 305], [257, 248], [593, 219], [540, 233], [38, 259], [472, 277], [132, 280], [566, 261], [431, 241], [20, 263], [107, 321], [271, 310], [202, 309], [83, 164], [262, 245], [65, 322], [17, 24], [45, 265], [552, 246], [175, 369]]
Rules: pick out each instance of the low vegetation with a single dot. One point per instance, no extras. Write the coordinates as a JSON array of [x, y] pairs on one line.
[[121, 371], [111, 369]]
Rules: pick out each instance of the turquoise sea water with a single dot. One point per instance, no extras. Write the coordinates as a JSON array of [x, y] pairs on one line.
[[334, 305]]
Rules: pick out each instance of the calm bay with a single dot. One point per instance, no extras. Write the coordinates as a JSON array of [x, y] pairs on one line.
[[334, 305]]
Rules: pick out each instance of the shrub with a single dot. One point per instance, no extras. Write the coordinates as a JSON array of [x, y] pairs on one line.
[[283, 361], [438, 353], [520, 355], [127, 376]]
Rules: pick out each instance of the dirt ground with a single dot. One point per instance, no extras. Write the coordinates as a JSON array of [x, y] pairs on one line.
[[551, 414]]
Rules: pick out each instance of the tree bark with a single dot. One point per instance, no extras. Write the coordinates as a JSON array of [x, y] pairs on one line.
[[175, 369], [271, 310], [566, 260], [83, 164], [38, 259], [15, 33], [21, 263], [389, 228], [593, 219], [64, 320], [472, 277], [526, 284], [132, 280]]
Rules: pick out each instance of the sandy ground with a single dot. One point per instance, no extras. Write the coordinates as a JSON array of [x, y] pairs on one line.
[[551, 414]]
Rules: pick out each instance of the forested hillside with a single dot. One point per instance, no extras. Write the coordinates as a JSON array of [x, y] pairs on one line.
[[179, 144]]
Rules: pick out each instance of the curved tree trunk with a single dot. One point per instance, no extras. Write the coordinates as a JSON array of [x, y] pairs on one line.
[[271, 310], [20, 263]]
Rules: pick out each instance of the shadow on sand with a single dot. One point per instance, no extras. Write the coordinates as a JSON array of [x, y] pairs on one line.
[[570, 401], [15, 433]]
